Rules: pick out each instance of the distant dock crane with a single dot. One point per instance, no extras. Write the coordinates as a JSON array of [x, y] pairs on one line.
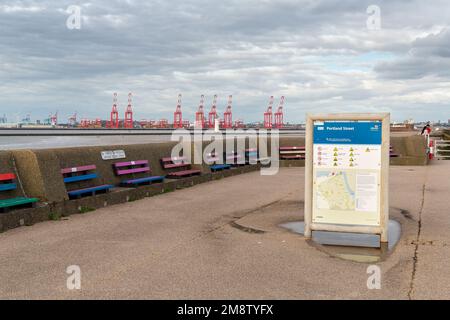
[[177, 115], [268, 115], [212, 116], [54, 119], [114, 116], [279, 116], [128, 122], [228, 115], [200, 114]]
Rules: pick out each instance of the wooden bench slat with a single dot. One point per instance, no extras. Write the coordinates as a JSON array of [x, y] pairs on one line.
[[212, 159], [293, 152], [8, 186], [83, 177], [183, 173], [130, 163], [89, 190], [7, 176], [292, 157], [133, 170], [291, 148], [176, 165], [79, 169], [169, 159], [218, 167], [236, 156], [143, 180], [7, 203]]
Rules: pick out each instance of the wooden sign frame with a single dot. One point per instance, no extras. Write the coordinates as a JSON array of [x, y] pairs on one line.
[[382, 229]]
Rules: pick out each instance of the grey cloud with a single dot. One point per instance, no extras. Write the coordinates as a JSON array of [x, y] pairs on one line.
[[427, 57], [249, 48]]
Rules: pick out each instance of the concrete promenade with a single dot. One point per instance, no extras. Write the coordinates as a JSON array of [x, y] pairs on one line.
[[222, 240]]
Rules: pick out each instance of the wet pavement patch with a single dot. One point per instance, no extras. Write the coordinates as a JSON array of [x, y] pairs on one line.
[[351, 246]]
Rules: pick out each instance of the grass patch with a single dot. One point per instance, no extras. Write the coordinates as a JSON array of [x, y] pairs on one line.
[[85, 209], [54, 216]]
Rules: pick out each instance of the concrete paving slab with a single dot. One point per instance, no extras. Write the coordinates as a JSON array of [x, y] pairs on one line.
[[221, 240]]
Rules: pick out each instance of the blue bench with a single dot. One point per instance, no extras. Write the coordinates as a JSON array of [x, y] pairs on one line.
[[211, 160], [136, 167], [83, 173], [8, 183], [219, 167], [91, 191]]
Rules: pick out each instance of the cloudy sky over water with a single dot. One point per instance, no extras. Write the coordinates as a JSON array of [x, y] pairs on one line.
[[319, 54]]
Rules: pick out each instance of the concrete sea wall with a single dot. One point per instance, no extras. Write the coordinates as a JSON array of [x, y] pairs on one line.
[[39, 175]]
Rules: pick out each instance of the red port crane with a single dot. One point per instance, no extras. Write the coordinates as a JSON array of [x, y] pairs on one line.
[[54, 119], [128, 122], [213, 113], [268, 115], [177, 115], [200, 114], [114, 119], [279, 115], [227, 115]]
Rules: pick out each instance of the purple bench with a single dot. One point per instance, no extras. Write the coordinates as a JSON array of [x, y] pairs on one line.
[[135, 167]]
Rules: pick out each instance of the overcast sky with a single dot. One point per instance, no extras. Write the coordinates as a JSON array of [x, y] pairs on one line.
[[319, 54]]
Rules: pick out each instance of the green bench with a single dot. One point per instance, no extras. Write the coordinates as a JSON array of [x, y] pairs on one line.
[[7, 183]]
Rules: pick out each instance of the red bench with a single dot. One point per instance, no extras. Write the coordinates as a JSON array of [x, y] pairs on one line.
[[179, 167], [292, 153], [135, 167]]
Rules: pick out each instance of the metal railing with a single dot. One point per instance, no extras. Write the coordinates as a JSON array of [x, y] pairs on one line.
[[442, 149]]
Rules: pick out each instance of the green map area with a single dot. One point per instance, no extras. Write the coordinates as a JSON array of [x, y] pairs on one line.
[[335, 190]]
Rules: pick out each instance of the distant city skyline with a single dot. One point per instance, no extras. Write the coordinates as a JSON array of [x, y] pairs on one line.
[[323, 56]]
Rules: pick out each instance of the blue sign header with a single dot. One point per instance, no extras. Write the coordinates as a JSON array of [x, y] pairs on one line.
[[347, 132]]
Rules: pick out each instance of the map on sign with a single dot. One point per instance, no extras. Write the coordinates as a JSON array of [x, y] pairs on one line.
[[335, 190], [346, 172]]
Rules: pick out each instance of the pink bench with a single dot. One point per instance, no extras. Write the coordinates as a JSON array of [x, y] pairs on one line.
[[169, 163]]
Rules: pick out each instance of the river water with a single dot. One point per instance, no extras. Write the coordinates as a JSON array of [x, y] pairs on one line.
[[43, 142]]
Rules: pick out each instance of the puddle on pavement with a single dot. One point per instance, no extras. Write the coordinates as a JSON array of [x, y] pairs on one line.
[[351, 246]]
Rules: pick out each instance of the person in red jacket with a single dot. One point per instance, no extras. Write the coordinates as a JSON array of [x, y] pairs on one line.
[[426, 129]]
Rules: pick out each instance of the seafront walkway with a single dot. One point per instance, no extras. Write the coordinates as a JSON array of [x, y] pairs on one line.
[[223, 239]]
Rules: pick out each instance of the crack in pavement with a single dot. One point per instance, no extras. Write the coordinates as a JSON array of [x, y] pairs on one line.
[[417, 244]]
